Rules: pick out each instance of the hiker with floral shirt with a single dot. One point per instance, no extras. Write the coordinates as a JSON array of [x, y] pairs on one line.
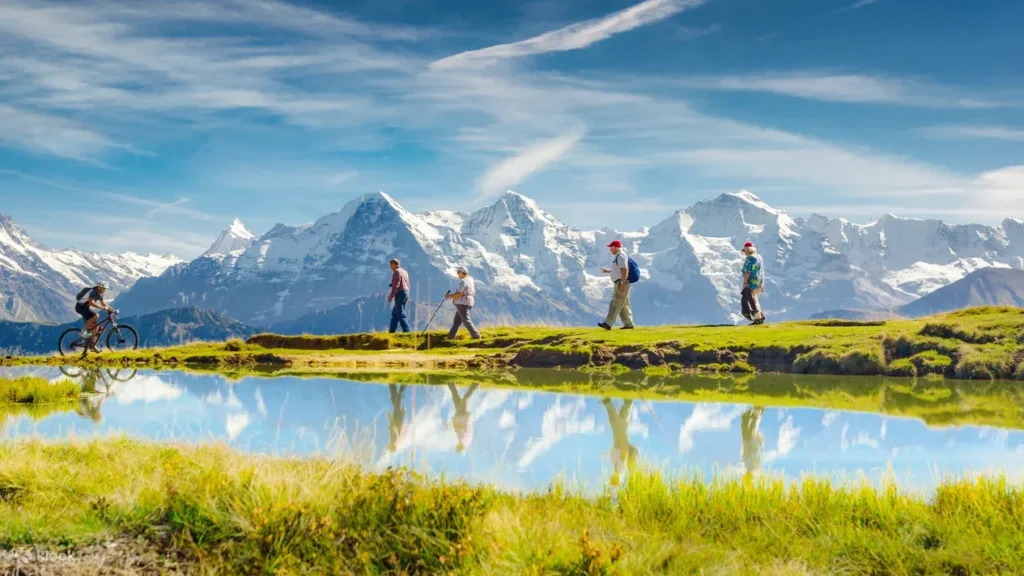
[[753, 285]]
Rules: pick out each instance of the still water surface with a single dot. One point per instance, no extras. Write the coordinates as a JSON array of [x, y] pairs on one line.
[[521, 440]]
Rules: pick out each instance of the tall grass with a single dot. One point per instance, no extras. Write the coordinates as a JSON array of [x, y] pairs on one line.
[[237, 514], [34, 390]]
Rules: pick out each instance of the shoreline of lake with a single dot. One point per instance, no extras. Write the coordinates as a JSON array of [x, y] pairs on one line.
[[980, 343]]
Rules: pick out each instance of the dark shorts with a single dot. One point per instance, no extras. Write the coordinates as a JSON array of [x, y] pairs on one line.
[[85, 311]]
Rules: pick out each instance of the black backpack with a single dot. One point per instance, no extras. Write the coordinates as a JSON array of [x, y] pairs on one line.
[[83, 292]]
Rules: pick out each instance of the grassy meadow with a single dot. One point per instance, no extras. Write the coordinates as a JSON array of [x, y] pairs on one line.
[[979, 343], [228, 513]]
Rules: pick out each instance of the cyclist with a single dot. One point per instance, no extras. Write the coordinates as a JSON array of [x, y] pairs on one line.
[[87, 300]]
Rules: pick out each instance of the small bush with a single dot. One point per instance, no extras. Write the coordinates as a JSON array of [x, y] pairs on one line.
[[741, 367], [957, 332], [862, 363], [983, 364], [931, 362], [816, 362], [902, 367], [234, 345], [618, 369]]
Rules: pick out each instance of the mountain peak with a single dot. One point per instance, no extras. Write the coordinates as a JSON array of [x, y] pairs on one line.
[[236, 237], [748, 198]]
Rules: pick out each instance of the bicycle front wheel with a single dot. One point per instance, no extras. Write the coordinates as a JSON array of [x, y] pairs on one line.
[[70, 342], [122, 338]]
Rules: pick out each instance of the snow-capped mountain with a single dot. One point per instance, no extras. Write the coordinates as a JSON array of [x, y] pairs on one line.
[[531, 267], [38, 284]]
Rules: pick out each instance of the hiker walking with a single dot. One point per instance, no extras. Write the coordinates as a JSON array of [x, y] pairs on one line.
[[620, 275], [464, 299], [399, 295], [753, 285]]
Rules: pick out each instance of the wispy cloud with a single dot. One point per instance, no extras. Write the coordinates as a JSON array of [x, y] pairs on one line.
[[847, 88], [49, 134], [859, 4], [533, 158], [156, 207], [973, 132], [92, 79], [694, 32], [575, 36]]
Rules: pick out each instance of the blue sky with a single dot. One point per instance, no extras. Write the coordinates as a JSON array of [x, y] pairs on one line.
[[149, 126]]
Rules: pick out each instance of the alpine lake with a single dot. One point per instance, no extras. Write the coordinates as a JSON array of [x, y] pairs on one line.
[[521, 435]]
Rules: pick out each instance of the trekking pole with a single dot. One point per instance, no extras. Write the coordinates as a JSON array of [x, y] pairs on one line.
[[425, 328]]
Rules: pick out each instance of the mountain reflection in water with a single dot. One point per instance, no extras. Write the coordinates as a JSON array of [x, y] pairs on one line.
[[526, 439]]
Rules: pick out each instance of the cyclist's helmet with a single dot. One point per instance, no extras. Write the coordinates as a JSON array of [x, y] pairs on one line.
[[101, 285]]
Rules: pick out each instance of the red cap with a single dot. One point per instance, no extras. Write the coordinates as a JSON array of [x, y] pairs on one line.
[[615, 244], [748, 245]]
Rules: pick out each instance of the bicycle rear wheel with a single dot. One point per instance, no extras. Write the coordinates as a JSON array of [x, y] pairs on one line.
[[122, 338], [70, 342]]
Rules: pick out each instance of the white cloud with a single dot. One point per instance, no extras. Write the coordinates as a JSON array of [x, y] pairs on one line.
[[818, 163], [575, 36], [1002, 191], [49, 134], [102, 76], [974, 132], [707, 418], [844, 88], [513, 170], [559, 421]]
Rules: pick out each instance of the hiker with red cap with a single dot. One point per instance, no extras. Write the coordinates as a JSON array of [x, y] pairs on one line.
[[753, 285], [621, 280]]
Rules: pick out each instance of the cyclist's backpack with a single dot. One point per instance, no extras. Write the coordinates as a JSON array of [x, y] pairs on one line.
[[82, 293], [634, 272]]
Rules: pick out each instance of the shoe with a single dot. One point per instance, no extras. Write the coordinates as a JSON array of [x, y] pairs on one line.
[[605, 326], [626, 328]]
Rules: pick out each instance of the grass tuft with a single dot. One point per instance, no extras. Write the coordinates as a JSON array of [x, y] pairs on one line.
[[235, 514], [34, 390]]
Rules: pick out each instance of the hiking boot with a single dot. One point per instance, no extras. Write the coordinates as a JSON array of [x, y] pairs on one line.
[[605, 326]]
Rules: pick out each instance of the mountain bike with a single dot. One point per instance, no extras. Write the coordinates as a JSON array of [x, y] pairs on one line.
[[120, 337]]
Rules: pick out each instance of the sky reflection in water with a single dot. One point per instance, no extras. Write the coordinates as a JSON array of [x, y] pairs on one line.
[[521, 440]]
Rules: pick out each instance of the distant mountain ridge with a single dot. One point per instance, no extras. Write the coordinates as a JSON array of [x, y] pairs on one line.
[[986, 287], [532, 268], [164, 328], [38, 284]]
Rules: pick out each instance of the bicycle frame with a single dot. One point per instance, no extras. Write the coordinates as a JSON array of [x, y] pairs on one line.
[[101, 326]]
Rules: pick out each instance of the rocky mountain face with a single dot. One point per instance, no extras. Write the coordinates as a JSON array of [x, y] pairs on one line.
[[531, 268], [164, 328], [38, 284]]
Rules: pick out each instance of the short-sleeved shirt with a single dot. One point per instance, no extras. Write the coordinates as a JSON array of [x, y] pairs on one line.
[[754, 266], [467, 287], [91, 295], [619, 261]]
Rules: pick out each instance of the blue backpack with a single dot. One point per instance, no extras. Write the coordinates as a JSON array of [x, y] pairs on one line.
[[634, 272]]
